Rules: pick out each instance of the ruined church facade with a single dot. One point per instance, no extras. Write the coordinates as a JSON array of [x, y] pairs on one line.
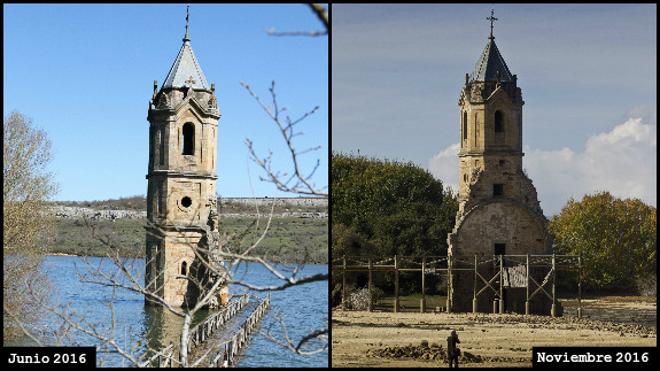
[[181, 194], [499, 212]]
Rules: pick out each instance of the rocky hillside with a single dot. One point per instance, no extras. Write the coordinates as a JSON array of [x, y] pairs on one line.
[[74, 212], [135, 208]]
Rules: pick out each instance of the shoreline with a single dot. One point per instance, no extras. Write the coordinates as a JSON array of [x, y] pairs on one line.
[[141, 257]]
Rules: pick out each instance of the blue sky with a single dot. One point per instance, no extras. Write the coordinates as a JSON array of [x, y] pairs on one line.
[[84, 74], [587, 73]]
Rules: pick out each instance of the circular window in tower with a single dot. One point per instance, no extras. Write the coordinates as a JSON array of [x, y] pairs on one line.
[[186, 202]]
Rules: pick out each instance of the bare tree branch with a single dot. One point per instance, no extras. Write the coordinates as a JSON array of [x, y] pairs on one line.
[[297, 182], [322, 15], [319, 334]]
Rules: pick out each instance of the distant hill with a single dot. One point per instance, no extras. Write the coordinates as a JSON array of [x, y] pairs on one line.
[[299, 231], [135, 207]]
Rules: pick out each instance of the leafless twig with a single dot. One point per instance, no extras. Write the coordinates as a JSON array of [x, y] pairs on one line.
[[296, 182], [318, 334], [320, 12]]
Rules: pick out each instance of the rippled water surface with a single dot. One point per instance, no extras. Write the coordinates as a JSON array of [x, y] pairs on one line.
[[302, 309]]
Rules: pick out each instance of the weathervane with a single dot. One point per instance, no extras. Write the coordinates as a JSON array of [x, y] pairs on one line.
[[491, 19]]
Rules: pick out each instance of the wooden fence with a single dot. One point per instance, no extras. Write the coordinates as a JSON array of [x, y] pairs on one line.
[[198, 334], [230, 349], [508, 272], [202, 331]]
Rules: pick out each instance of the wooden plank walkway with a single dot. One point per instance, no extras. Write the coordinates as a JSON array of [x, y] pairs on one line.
[[229, 351], [223, 335], [219, 338]]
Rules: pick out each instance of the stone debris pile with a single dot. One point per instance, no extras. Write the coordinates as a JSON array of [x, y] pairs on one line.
[[424, 351], [436, 353]]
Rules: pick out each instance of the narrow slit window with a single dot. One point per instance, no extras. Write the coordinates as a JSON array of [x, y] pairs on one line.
[[464, 125], [499, 122], [184, 268], [498, 190], [188, 134], [161, 144], [157, 200]]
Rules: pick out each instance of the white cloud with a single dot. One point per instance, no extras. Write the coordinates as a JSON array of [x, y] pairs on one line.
[[444, 166], [621, 161]]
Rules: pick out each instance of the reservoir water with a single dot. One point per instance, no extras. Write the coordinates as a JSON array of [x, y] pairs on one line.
[[302, 309]]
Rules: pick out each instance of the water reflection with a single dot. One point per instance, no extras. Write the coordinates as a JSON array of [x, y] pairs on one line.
[[303, 309], [162, 327]]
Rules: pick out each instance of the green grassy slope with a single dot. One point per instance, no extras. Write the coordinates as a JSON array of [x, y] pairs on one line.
[[289, 239]]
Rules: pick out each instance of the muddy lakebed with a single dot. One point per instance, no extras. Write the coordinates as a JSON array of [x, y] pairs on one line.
[[385, 339]]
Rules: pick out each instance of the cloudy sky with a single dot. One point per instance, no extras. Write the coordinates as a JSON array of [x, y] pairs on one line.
[[587, 73]]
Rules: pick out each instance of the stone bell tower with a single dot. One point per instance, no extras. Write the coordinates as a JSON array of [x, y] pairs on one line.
[[181, 194], [499, 212]]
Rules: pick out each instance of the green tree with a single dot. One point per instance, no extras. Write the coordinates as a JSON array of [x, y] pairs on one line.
[[27, 229], [383, 208], [616, 237]]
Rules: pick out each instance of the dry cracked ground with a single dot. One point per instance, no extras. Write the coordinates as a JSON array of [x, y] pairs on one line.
[[382, 339]]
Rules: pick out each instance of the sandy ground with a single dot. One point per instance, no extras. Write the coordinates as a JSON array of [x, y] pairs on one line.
[[500, 340]]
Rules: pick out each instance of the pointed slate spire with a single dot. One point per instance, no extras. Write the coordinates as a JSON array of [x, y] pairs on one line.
[[491, 65], [185, 70]]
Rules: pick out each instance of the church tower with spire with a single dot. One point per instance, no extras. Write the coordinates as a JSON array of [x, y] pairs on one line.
[[499, 212], [181, 194]]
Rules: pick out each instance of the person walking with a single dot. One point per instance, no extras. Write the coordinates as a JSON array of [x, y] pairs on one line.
[[452, 350]]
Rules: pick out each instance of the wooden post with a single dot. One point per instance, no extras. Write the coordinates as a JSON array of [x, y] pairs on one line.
[[449, 283], [553, 308], [501, 284], [474, 288], [343, 284], [579, 310], [527, 288], [371, 304], [396, 285], [422, 304]]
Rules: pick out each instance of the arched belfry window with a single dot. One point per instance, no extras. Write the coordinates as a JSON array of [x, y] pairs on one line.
[[499, 122], [184, 268], [188, 134]]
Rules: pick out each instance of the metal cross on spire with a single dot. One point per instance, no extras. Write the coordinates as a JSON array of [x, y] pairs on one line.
[[185, 38], [491, 19]]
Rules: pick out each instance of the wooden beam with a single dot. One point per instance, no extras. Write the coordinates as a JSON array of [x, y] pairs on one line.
[[553, 308], [527, 287], [371, 304], [396, 285], [501, 284], [449, 283], [579, 310], [474, 286], [343, 285], [422, 304]]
